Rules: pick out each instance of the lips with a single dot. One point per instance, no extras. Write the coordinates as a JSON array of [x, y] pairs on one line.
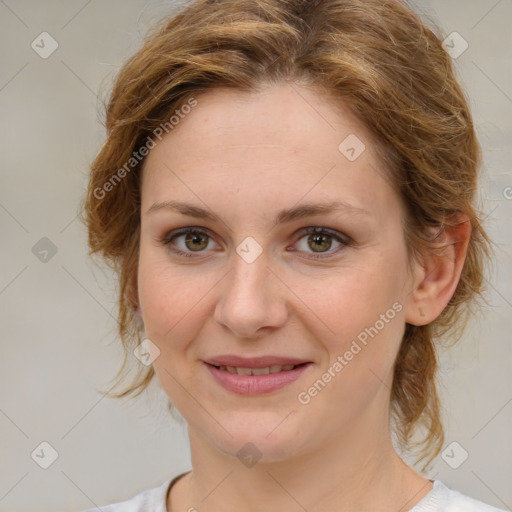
[[255, 375], [234, 361], [266, 370]]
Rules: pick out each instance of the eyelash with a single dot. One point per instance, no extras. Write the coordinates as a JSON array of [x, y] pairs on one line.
[[345, 241]]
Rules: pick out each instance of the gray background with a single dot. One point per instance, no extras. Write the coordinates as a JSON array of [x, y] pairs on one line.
[[58, 317]]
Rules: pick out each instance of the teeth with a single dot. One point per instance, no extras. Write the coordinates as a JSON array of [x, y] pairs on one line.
[[257, 371], [261, 371]]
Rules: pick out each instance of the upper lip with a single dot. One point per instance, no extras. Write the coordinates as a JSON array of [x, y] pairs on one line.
[[253, 362]]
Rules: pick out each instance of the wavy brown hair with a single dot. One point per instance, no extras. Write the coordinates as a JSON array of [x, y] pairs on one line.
[[379, 59]]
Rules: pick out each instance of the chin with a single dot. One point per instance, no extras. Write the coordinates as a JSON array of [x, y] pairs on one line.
[[267, 439]]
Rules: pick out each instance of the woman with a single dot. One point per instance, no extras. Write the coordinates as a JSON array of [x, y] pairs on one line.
[[287, 193]]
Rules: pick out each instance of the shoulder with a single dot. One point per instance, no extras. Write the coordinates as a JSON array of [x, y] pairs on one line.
[[149, 500], [445, 499]]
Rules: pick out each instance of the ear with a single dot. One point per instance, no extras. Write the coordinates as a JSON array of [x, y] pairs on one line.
[[437, 276]]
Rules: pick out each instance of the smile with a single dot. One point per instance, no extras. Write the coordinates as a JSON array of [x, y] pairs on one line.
[[257, 371], [255, 381]]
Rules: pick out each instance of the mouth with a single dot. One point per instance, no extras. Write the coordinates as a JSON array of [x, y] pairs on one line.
[[266, 370], [244, 380]]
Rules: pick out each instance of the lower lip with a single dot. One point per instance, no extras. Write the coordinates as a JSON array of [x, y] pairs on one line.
[[256, 384]]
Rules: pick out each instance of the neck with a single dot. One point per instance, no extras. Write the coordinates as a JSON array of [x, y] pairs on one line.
[[358, 470]]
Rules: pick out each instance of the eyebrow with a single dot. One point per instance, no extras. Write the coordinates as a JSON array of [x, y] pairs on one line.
[[287, 215]]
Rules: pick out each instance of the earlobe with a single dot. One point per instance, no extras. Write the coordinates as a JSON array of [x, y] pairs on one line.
[[439, 273]]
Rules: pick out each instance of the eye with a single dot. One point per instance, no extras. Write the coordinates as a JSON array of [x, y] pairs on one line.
[[320, 240], [190, 240], [193, 240]]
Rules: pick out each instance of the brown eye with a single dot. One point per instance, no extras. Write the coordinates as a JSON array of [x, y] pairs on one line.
[[196, 241], [187, 241], [318, 241]]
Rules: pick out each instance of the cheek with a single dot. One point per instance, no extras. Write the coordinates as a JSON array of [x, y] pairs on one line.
[[173, 313], [358, 316], [368, 324], [344, 303], [172, 300]]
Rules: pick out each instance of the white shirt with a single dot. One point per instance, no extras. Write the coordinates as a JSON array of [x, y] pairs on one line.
[[439, 499]]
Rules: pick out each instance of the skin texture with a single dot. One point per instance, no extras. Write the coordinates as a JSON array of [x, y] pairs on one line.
[[245, 157]]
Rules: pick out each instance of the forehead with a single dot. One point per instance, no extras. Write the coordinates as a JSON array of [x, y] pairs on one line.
[[283, 140], [288, 115]]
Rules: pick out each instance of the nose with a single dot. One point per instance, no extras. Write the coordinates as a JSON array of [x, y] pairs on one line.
[[252, 299]]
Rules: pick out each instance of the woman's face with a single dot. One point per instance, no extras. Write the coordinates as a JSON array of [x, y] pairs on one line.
[[255, 283]]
